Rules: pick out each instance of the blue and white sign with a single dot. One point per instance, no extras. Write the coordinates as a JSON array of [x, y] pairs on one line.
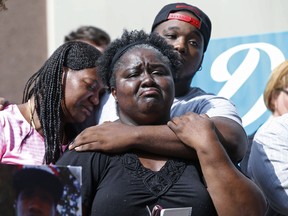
[[238, 68]]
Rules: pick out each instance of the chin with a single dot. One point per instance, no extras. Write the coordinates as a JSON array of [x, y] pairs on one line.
[[81, 120], [78, 119]]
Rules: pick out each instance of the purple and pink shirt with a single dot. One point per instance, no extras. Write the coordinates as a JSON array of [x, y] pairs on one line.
[[13, 129]]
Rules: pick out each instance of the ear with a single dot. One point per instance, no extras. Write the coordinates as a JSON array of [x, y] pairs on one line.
[[200, 65], [274, 97], [114, 93]]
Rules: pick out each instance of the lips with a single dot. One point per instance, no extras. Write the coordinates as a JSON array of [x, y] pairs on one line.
[[149, 92], [87, 110]]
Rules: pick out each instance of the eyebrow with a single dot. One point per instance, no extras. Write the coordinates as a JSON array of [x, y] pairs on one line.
[[89, 78], [93, 81], [159, 64], [196, 31], [173, 27]]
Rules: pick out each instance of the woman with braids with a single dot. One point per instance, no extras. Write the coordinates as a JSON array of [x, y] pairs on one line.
[[64, 90], [139, 70]]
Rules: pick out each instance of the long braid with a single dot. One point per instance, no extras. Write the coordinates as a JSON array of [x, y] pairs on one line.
[[46, 87], [50, 102]]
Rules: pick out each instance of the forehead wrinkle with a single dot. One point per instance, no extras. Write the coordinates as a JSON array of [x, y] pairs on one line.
[[132, 64], [174, 27], [193, 31], [162, 61]]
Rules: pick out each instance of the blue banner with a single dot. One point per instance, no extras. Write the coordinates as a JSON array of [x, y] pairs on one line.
[[238, 68]]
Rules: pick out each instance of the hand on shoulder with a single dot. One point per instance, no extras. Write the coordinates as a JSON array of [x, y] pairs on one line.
[[3, 103], [193, 129]]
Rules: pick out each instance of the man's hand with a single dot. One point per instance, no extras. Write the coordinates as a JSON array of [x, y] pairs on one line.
[[3, 103], [107, 137]]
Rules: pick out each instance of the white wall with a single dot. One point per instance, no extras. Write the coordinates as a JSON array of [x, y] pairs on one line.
[[229, 17]]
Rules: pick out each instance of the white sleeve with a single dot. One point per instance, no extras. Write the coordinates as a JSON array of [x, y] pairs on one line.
[[268, 162], [206, 104], [219, 106]]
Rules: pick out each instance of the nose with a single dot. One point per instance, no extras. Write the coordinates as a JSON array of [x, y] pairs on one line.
[[147, 79], [180, 46], [94, 99]]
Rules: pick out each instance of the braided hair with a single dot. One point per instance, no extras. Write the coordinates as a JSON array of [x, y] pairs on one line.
[[46, 87], [106, 64]]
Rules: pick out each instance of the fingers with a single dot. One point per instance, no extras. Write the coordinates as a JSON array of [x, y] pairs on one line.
[[76, 144], [176, 121], [171, 124], [3, 103], [174, 124], [82, 147], [204, 115], [188, 120], [71, 145]]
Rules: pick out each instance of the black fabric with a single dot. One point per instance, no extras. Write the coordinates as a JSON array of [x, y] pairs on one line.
[[28, 178], [120, 185]]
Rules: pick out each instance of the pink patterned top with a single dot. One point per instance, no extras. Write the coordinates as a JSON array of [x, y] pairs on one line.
[[13, 129]]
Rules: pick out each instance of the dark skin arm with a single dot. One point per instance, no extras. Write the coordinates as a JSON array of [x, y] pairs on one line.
[[231, 192], [115, 137], [232, 136]]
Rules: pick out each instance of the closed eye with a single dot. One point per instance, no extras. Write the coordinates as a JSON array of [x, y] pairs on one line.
[[160, 72], [92, 87], [171, 36], [133, 75]]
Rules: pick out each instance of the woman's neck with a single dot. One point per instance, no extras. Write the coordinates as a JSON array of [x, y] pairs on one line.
[[149, 119], [28, 110], [182, 87]]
